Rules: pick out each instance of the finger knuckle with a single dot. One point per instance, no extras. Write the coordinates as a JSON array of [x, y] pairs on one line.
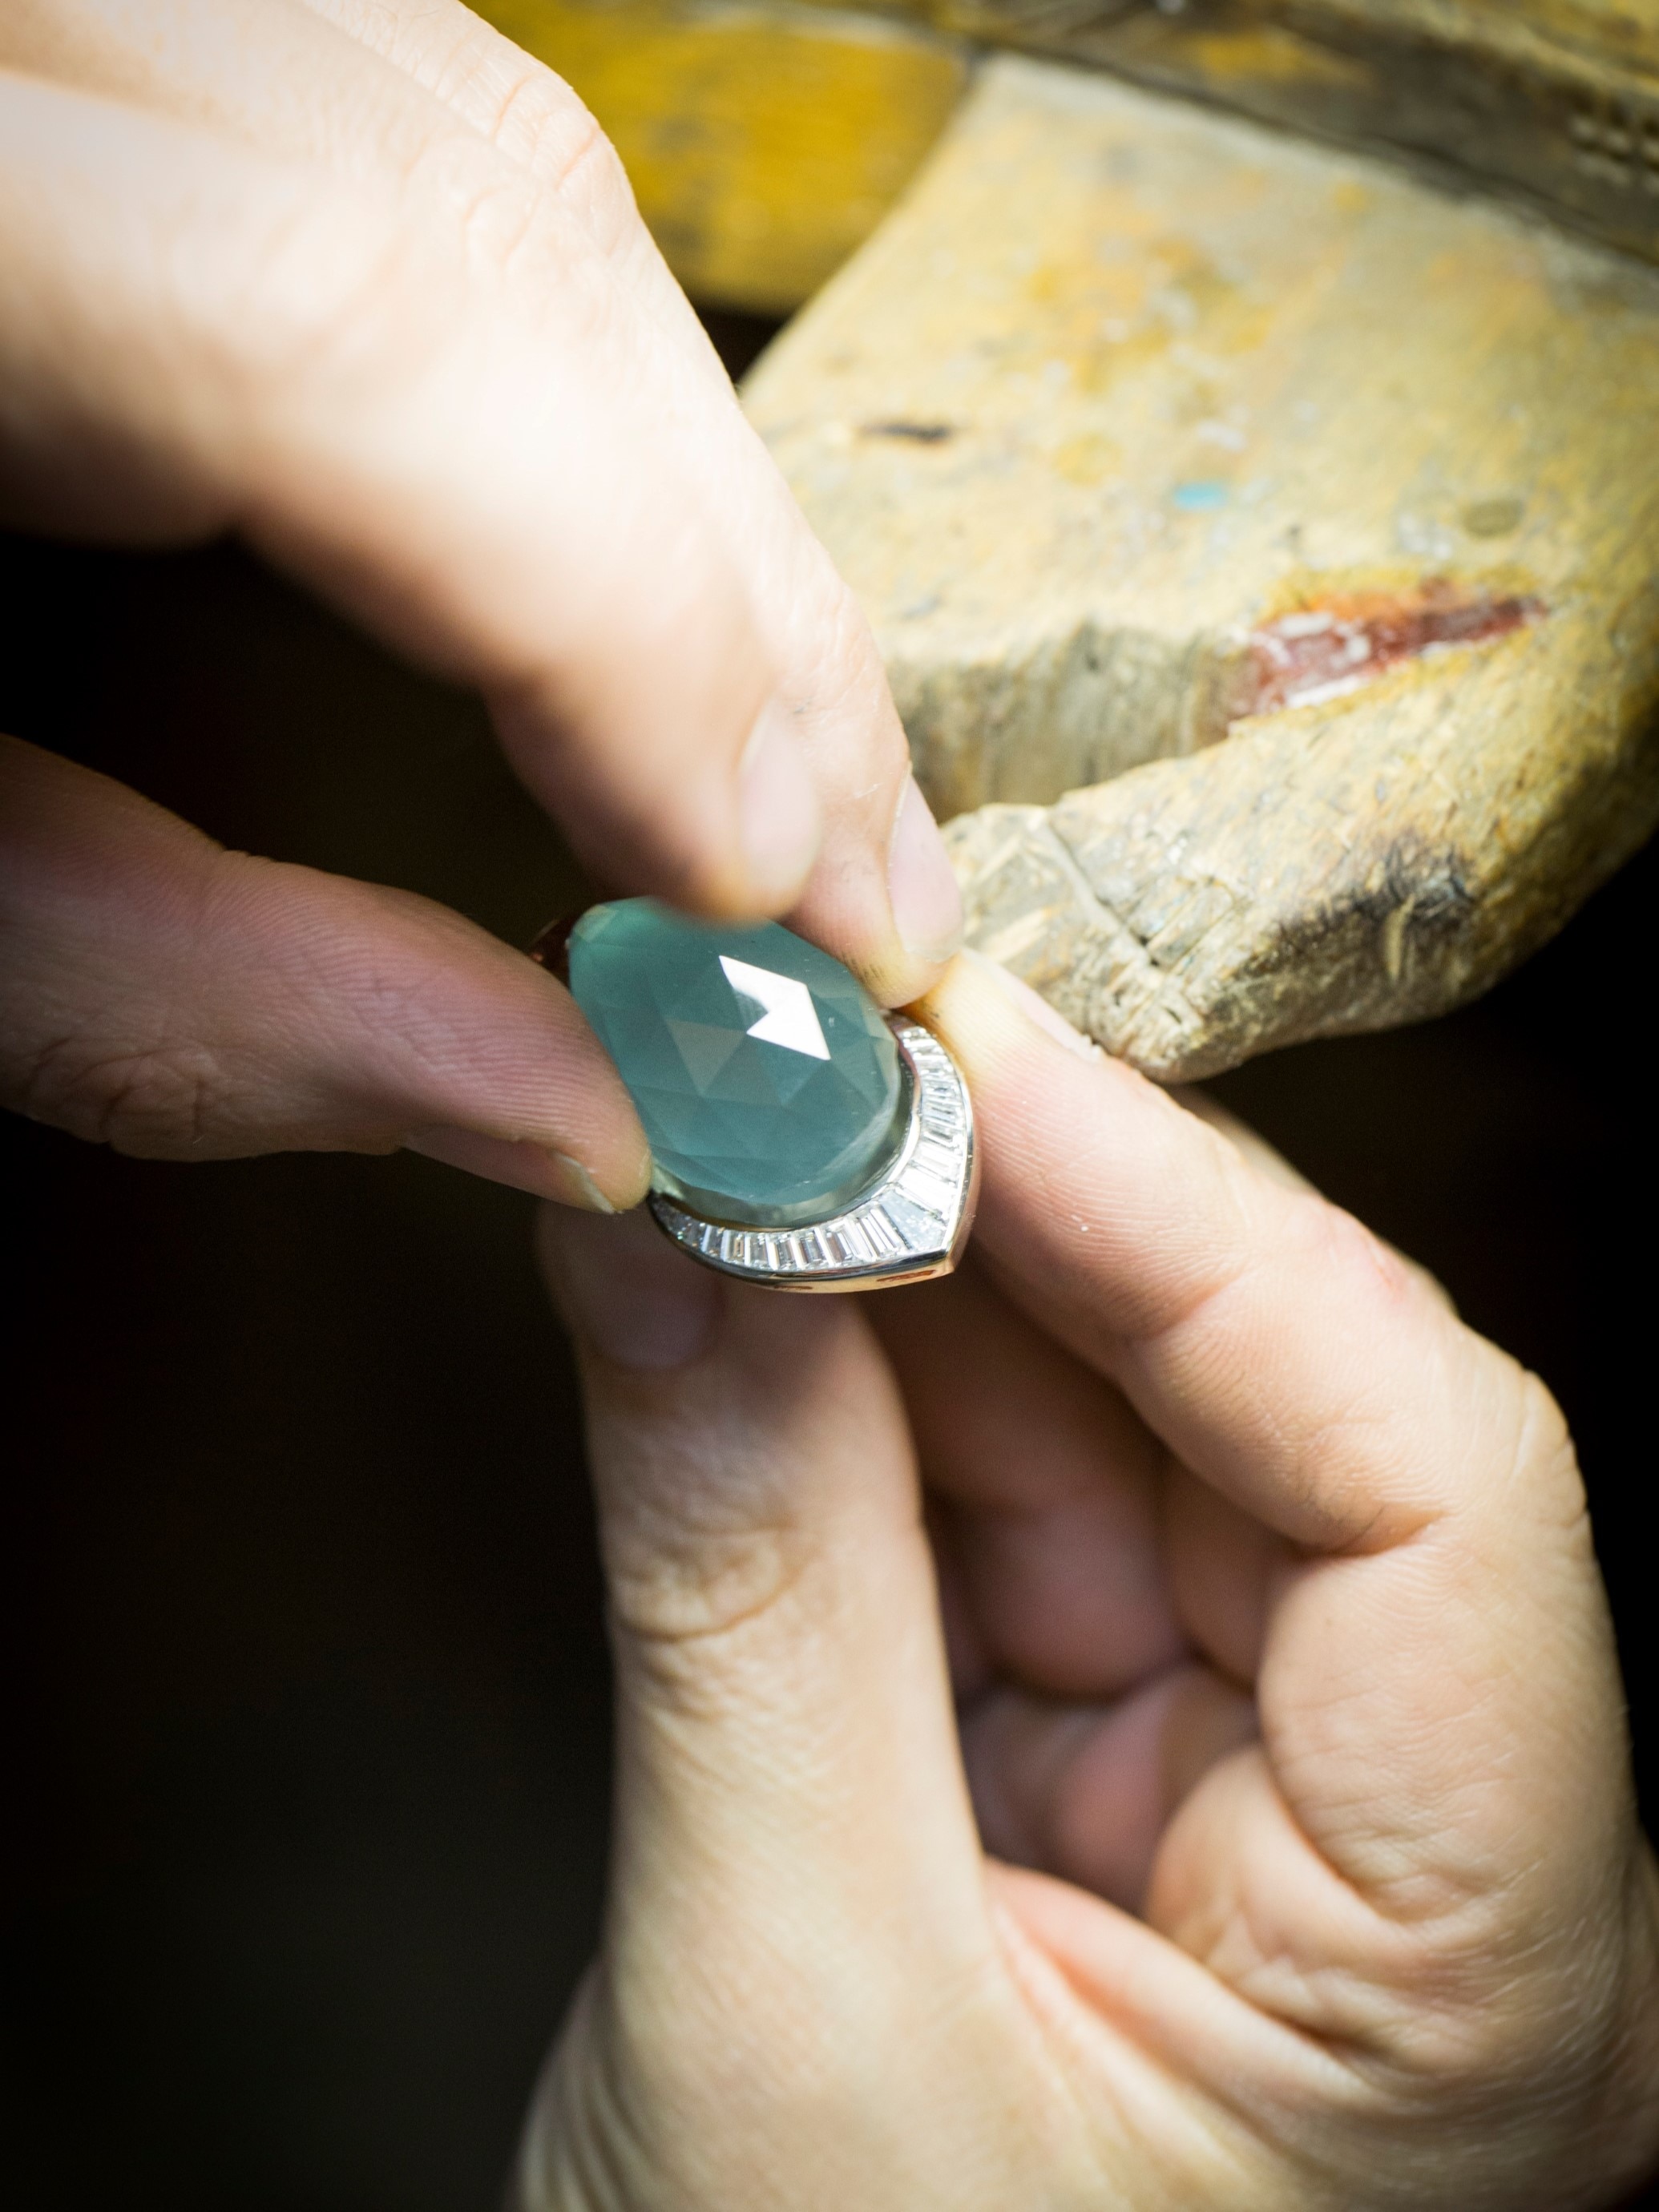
[[152, 1101], [692, 1603], [568, 149], [537, 119], [594, 173]]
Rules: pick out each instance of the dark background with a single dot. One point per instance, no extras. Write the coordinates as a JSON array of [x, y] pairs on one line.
[[311, 1755]]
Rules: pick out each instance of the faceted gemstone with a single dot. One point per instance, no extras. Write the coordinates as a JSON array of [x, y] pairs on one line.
[[768, 1084]]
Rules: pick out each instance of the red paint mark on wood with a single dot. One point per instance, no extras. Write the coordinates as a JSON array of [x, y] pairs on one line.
[[1330, 647]]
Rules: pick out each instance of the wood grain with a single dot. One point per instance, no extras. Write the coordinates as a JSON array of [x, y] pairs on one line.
[[1555, 100], [1309, 513]]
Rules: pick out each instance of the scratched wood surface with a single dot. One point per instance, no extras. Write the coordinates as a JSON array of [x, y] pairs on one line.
[[1307, 517]]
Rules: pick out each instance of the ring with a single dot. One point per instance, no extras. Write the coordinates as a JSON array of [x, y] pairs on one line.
[[801, 1138]]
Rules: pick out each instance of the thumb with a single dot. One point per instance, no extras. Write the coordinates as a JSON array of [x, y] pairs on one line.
[[181, 1002], [792, 1829]]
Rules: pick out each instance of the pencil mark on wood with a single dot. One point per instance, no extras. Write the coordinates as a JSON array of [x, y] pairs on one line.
[[916, 433]]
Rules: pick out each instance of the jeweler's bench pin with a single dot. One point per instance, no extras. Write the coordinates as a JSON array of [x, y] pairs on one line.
[[799, 1137]]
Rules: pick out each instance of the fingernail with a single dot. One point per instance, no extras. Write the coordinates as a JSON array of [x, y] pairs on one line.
[[1034, 1006], [777, 809], [624, 1287], [921, 884], [537, 1169]]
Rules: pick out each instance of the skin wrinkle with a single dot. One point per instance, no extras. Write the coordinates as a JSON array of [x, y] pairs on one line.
[[731, 1650], [1160, 1347], [444, 63], [1341, 1814], [803, 2061], [601, 2151], [1428, 1984], [589, 169], [1441, 1906], [1412, 2074], [1263, 1984], [611, 215], [1306, 1774], [1380, 1893], [176, 57], [637, 1604], [120, 1091], [495, 217], [1264, 1767], [659, 1515], [1355, 2018], [1037, 1980], [119, 1078], [526, 91], [1246, 2107]]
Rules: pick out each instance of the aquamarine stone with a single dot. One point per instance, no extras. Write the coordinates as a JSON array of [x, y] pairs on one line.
[[769, 1086]]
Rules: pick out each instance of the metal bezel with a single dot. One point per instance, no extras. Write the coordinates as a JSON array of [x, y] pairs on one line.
[[910, 1225]]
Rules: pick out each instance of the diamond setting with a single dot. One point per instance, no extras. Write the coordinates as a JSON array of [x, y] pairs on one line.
[[911, 1224]]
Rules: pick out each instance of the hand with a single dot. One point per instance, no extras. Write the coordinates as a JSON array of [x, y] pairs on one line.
[[362, 283], [1296, 1862]]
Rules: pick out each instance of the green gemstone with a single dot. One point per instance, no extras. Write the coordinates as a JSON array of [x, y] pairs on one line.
[[766, 1079]]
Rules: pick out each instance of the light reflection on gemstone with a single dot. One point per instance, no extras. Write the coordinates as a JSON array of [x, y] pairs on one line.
[[767, 1079]]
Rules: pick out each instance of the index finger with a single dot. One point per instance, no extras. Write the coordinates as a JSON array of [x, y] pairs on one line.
[[1284, 1353], [413, 369]]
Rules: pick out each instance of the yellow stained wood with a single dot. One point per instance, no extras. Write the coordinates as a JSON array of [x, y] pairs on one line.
[[764, 143]]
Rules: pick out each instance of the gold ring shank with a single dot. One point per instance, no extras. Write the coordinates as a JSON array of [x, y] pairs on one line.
[[911, 1224]]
